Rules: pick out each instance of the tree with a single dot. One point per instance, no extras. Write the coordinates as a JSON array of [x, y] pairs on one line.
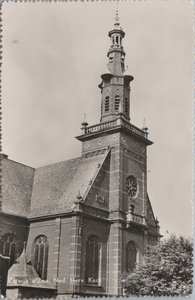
[[166, 270]]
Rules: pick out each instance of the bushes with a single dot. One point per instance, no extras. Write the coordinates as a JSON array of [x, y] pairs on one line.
[[166, 270]]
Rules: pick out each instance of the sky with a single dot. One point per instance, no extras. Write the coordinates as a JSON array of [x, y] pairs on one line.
[[53, 57]]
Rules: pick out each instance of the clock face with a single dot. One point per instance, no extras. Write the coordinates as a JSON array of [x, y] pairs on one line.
[[131, 185]]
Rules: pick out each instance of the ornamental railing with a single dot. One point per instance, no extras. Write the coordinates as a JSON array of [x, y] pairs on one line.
[[135, 129], [137, 219], [134, 218], [114, 123], [100, 127]]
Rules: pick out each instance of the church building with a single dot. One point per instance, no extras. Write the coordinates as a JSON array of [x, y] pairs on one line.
[[74, 227]]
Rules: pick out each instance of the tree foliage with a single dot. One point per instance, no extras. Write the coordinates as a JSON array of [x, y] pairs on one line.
[[167, 270]]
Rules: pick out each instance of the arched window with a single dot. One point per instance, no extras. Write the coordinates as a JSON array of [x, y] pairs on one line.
[[93, 261], [40, 255], [131, 256], [106, 108], [117, 102], [8, 247]]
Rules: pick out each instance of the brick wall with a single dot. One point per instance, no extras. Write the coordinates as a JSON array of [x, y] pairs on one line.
[[49, 228]]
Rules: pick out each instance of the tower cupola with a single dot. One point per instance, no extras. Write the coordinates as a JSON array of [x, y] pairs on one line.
[[116, 52], [115, 85]]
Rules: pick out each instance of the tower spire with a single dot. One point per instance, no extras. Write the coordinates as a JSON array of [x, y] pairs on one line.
[[115, 85], [117, 17], [117, 22]]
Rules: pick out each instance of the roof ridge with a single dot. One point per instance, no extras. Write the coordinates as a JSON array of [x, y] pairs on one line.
[[19, 163], [96, 173], [58, 162]]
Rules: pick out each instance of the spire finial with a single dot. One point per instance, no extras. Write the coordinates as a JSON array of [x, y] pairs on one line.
[[84, 117], [24, 246], [84, 123], [117, 16], [79, 195], [145, 128]]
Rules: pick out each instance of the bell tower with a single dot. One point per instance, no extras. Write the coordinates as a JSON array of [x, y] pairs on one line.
[[115, 85], [123, 187]]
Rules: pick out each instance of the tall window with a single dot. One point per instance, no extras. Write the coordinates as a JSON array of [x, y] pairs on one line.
[[40, 255], [107, 103], [131, 256], [117, 102], [126, 105], [93, 261], [8, 247]]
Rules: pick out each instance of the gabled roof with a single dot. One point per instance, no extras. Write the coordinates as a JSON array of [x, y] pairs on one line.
[[150, 214], [17, 182], [56, 186], [20, 270], [23, 273], [50, 189]]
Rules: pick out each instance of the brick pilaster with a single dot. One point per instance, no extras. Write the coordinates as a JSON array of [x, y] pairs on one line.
[[75, 255], [115, 260], [56, 250]]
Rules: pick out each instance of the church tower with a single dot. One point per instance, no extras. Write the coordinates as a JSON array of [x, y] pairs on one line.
[[132, 223]]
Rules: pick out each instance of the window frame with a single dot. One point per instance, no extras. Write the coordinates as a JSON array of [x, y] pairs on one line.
[[117, 103], [9, 248], [129, 257], [107, 104], [40, 254], [96, 277]]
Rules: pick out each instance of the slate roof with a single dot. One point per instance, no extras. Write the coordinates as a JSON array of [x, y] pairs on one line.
[[17, 182], [56, 186], [50, 189]]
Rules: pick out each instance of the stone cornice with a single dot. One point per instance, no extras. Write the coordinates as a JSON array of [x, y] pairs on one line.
[[117, 125]]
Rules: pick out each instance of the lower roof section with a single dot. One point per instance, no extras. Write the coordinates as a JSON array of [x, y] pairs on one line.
[[56, 187]]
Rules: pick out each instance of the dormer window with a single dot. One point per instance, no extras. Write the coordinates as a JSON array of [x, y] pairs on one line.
[[117, 102], [106, 108]]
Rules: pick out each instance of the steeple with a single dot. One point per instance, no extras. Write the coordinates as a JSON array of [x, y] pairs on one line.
[[115, 95], [116, 54], [115, 85]]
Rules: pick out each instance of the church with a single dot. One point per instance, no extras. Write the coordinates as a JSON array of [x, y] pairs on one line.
[[74, 227]]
